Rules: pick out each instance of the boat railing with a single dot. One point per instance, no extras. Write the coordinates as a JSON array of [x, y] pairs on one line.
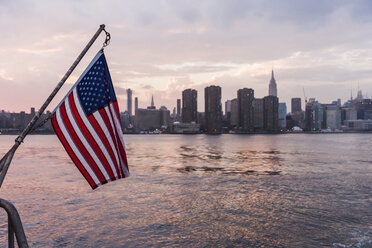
[[14, 225]]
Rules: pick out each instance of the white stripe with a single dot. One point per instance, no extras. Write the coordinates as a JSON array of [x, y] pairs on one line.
[[75, 149], [102, 124], [94, 133], [118, 125], [114, 131], [84, 141], [120, 134]]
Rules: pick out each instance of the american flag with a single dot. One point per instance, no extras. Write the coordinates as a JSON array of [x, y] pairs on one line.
[[87, 122]]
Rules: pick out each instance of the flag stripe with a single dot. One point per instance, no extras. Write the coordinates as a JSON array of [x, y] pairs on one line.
[[119, 137], [96, 132], [108, 113], [108, 125], [80, 146], [92, 154], [112, 121], [116, 106], [98, 117], [72, 155], [88, 135]]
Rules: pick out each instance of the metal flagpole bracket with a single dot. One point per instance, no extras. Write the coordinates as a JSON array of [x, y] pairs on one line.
[[5, 161], [107, 40]]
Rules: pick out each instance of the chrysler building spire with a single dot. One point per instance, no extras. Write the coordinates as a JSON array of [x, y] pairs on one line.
[[272, 85]]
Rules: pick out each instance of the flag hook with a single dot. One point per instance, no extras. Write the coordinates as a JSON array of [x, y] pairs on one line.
[[107, 40]]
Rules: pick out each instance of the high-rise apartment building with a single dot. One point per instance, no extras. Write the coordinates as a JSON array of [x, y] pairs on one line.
[[296, 105], [129, 98], [213, 109], [258, 121], [179, 107], [270, 113], [282, 114], [272, 85], [228, 111], [245, 109], [135, 104], [189, 106], [234, 116]]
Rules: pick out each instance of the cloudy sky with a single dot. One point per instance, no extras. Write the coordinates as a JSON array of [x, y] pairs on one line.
[[162, 47]]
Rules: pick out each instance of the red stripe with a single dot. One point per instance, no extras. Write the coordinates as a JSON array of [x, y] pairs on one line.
[[71, 153], [120, 145], [89, 137], [80, 145], [116, 107], [110, 129], [103, 137]]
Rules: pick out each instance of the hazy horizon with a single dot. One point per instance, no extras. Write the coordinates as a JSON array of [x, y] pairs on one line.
[[164, 47]]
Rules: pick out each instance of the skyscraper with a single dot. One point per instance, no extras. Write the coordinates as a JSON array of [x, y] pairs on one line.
[[234, 118], [227, 111], [296, 105], [270, 113], [258, 114], [135, 104], [282, 115], [245, 109], [213, 109], [272, 85], [178, 107], [189, 106], [129, 105]]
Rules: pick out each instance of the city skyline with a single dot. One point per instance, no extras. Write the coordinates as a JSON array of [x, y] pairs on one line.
[[163, 48]]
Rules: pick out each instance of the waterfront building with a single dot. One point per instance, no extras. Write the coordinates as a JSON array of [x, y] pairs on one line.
[[364, 109], [16, 122], [317, 116], [185, 128], [179, 107], [227, 112], [125, 120], [258, 115], [213, 109], [272, 85], [234, 115], [150, 119], [348, 113], [164, 117], [358, 125], [282, 113], [189, 106], [129, 101], [245, 109], [314, 115], [135, 104], [296, 105], [332, 116], [270, 113], [201, 120]]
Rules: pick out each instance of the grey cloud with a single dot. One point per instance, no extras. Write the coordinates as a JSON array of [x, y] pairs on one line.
[[147, 87]]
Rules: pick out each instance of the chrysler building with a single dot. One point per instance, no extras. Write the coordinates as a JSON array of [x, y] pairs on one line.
[[272, 85]]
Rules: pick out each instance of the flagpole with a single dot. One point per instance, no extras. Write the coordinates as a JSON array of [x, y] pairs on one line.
[[5, 161]]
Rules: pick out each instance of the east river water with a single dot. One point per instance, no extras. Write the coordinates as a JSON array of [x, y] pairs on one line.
[[292, 190]]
